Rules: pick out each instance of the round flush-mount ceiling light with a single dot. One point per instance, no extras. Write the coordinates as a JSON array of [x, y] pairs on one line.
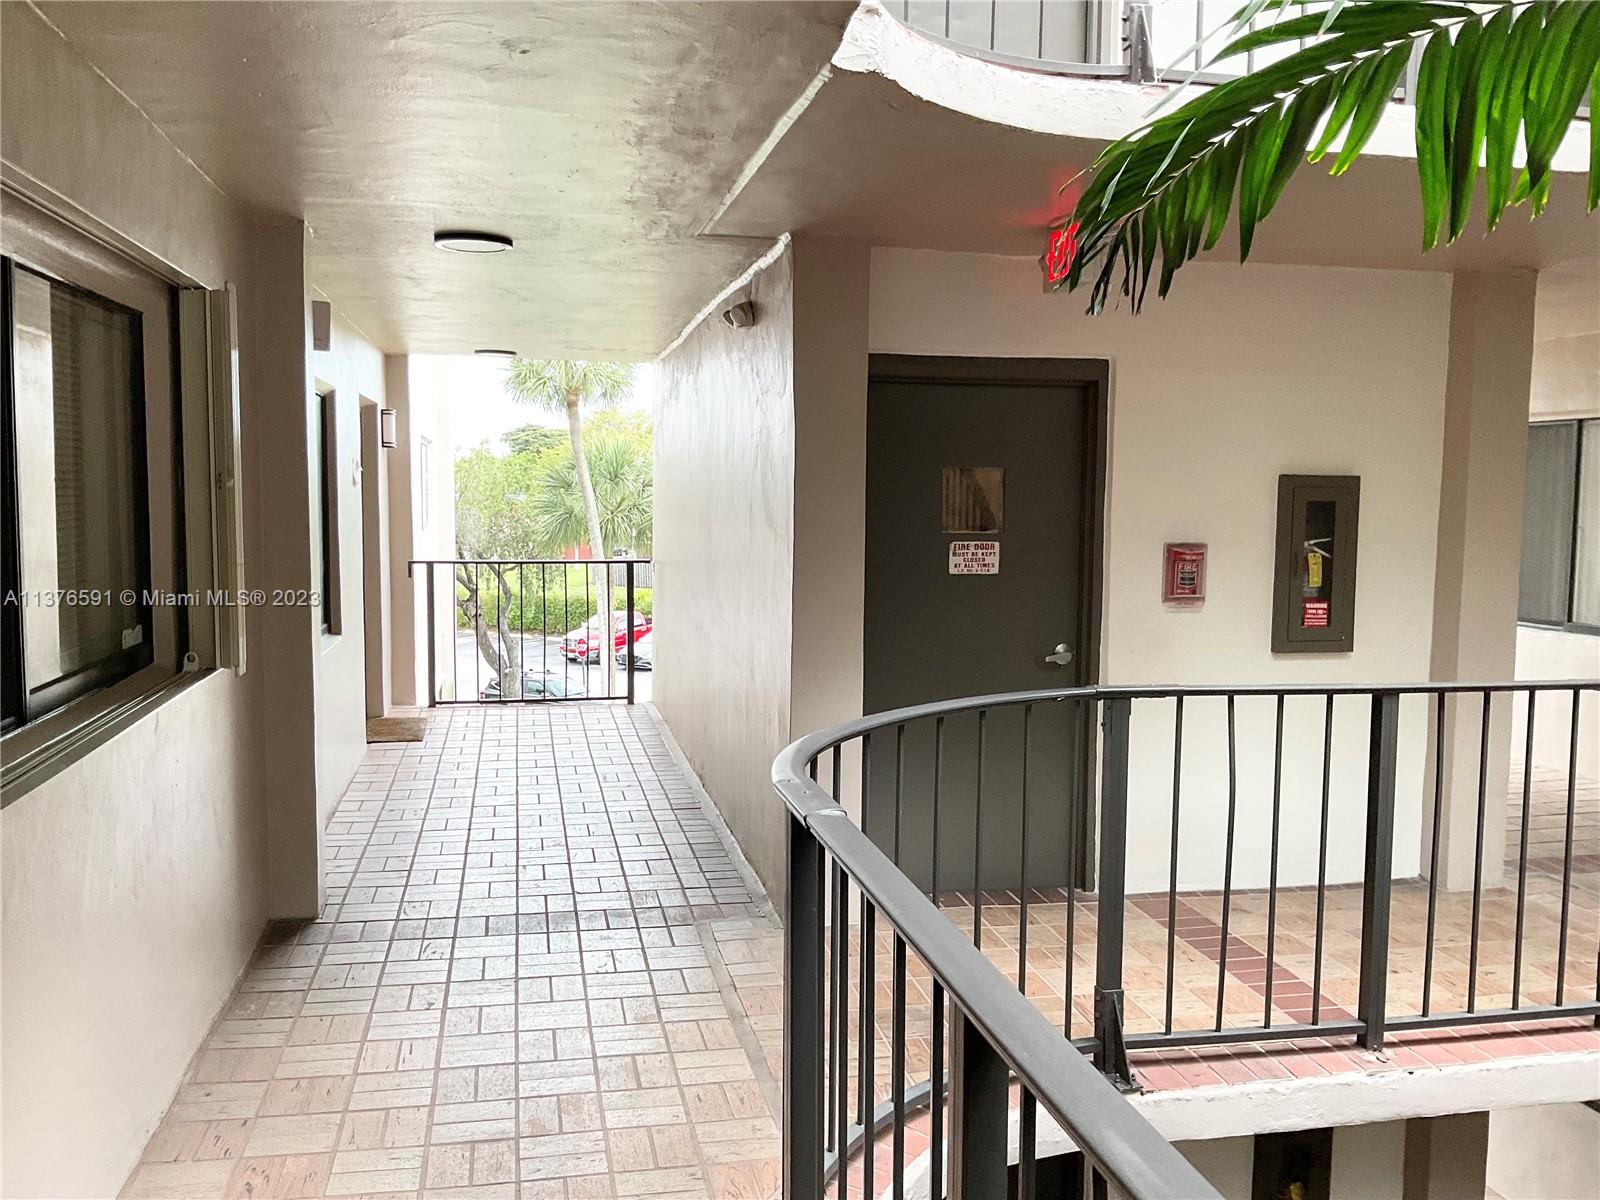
[[471, 241], [496, 353]]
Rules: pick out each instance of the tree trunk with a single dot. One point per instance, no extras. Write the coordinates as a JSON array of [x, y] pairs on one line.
[[597, 547], [503, 652]]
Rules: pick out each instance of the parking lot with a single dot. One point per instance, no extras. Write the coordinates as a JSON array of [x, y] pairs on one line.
[[542, 656]]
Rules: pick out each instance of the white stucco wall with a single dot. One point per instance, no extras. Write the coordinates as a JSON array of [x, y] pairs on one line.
[[353, 369], [724, 542], [1545, 1152], [135, 884], [1566, 386], [1243, 375]]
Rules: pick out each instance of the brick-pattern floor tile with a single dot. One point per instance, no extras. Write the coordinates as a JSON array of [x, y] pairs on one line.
[[536, 976]]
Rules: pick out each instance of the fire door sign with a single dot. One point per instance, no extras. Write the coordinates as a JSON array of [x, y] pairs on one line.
[[1183, 575], [974, 558]]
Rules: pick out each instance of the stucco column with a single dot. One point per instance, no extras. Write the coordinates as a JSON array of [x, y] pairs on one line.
[[405, 646], [280, 412], [1479, 555], [1446, 1157]]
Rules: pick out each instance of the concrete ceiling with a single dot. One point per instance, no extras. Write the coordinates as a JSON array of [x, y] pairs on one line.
[[868, 159], [600, 136]]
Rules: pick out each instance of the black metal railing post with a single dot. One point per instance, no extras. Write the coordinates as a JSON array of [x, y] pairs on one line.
[[1377, 882], [979, 1113], [628, 634], [803, 930], [1112, 1055], [432, 635]]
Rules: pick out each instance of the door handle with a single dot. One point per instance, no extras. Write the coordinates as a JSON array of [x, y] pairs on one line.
[[1061, 657]]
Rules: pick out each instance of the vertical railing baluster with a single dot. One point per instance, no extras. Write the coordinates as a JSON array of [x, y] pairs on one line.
[[1522, 854], [522, 626], [1074, 787], [936, 1099], [866, 779], [867, 1035], [803, 927], [566, 616], [933, 833], [1477, 859], [837, 1016], [1382, 749], [628, 633], [1272, 865], [1322, 856], [1027, 1147], [1566, 855], [544, 634], [899, 786], [897, 1063], [1022, 891], [1172, 870], [978, 1113], [1433, 854], [977, 835], [477, 657], [1111, 1057], [1227, 862], [433, 637]]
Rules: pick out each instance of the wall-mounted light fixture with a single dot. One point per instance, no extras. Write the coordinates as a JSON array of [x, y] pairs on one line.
[[496, 353], [388, 428], [471, 241]]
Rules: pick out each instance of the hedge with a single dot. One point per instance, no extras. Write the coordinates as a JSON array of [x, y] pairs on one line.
[[527, 614]]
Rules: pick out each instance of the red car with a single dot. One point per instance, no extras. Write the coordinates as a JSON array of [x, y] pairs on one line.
[[583, 644]]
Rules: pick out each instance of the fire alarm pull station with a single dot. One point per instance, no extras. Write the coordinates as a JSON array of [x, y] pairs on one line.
[[1183, 575]]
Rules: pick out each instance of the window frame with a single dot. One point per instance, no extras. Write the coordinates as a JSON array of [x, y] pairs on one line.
[[1583, 429], [326, 495], [29, 708]]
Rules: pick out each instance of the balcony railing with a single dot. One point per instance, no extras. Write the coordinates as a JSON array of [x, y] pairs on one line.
[[1137, 40], [503, 631], [975, 850]]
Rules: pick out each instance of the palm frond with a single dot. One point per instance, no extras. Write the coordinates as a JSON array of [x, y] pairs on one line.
[[554, 383], [1489, 76]]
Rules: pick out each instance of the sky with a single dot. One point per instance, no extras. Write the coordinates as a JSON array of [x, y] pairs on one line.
[[482, 411]]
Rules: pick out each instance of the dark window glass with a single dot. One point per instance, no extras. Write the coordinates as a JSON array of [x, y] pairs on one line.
[[324, 505], [1586, 544], [77, 506], [1547, 510], [1560, 582]]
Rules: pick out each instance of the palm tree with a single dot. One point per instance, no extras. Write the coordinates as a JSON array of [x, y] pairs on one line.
[[620, 471], [1487, 75], [563, 386]]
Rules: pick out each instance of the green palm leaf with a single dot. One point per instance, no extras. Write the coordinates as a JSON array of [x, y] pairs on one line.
[[1489, 76]]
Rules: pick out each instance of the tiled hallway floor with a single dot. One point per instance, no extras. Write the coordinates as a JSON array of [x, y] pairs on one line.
[[516, 989]]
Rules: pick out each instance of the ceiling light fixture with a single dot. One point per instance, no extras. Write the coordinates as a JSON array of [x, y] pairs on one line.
[[496, 353], [471, 241]]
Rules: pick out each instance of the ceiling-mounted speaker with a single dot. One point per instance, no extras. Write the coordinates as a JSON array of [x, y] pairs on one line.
[[321, 325]]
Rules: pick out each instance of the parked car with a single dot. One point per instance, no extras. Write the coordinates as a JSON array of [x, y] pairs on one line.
[[643, 653], [540, 685], [583, 644]]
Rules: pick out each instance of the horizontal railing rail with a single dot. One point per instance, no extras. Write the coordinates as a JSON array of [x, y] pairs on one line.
[[516, 630], [1257, 818]]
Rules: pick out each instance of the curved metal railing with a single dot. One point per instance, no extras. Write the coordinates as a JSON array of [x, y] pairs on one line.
[[883, 812]]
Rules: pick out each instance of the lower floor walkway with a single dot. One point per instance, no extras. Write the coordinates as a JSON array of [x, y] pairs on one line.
[[526, 983]]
